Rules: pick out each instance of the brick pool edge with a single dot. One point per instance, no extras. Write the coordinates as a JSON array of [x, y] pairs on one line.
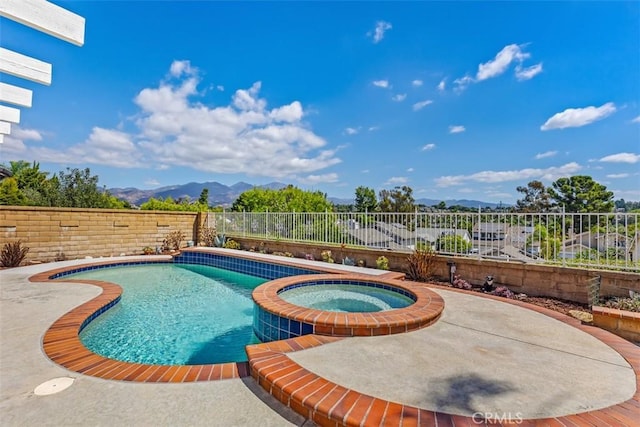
[[425, 310]]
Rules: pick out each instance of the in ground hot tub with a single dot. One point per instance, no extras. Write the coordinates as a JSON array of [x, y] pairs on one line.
[[341, 305]]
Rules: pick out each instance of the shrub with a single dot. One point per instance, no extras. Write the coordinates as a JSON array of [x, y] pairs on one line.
[[219, 241], [173, 241], [460, 283], [421, 263], [382, 262], [503, 291], [326, 256], [231, 244], [207, 236], [13, 254], [309, 257], [348, 261], [628, 304], [148, 250]]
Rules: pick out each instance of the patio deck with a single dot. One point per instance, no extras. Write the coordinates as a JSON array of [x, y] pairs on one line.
[[506, 359]]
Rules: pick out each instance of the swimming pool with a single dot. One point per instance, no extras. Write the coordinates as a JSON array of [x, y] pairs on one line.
[[174, 314], [346, 298]]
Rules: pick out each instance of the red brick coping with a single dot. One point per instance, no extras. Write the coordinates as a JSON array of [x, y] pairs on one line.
[[330, 404], [61, 342], [426, 309]]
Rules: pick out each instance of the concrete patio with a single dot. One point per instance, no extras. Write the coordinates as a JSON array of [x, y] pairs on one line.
[[483, 355]]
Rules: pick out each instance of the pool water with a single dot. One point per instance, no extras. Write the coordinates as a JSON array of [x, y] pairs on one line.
[[346, 298], [174, 314]]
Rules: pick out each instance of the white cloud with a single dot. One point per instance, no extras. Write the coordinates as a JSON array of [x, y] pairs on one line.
[[288, 113], [220, 88], [373, 128], [25, 134], [618, 175], [502, 61], [577, 117], [462, 83], [172, 129], [152, 182], [417, 83], [378, 33], [545, 155], [549, 174], [381, 83], [529, 72], [420, 105], [395, 180], [442, 85], [319, 179], [636, 120], [399, 97], [428, 147], [622, 158], [457, 129], [410, 170], [352, 131], [178, 68]]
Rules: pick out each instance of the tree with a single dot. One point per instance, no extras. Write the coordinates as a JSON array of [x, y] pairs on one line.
[[288, 199], [204, 197], [453, 244], [581, 194], [400, 199], [10, 194], [536, 198], [365, 199], [79, 189]]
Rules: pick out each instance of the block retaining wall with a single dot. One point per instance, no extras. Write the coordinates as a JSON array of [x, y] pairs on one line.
[[70, 233], [625, 324]]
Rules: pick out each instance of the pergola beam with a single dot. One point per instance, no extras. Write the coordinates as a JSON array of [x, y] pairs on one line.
[[15, 95], [45, 17], [24, 67], [8, 114], [5, 128]]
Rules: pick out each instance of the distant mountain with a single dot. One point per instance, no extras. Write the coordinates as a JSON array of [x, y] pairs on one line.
[[225, 195], [462, 202], [431, 202], [219, 194]]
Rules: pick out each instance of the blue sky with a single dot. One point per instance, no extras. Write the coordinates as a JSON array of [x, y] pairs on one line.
[[458, 100]]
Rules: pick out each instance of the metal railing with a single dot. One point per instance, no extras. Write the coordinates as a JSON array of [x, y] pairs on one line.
[[588, 240]]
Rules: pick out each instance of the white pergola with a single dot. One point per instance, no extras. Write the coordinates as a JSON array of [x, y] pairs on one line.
[[47, 18]]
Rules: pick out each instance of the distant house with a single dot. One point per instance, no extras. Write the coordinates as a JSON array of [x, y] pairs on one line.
[[370, 237], [489, 231], [399, 233], [572, 251], [520, 234], [430, 235], [600, 241]]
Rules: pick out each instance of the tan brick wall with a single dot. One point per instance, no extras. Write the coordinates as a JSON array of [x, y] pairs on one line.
[[53, 233], [532, 279]]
